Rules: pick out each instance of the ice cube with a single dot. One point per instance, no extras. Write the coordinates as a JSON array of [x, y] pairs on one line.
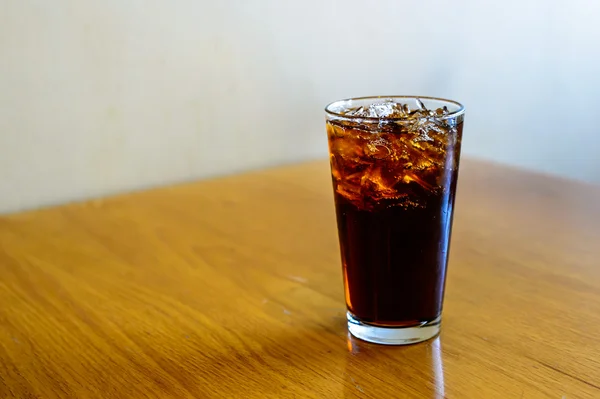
[[424, 126], [348, 149], [414, 178], [376, 183], [379, 148], [360, 111], [383, 109]]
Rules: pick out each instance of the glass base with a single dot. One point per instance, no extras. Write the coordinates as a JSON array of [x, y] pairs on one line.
[[393, 335]]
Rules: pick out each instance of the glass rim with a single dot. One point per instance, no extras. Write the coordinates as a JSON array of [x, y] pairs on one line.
[[454, 114]]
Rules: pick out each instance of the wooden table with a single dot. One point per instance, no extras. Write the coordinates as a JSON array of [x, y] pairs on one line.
[[232, 288]]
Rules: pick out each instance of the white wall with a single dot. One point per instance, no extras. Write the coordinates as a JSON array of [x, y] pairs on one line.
[[98, 97]]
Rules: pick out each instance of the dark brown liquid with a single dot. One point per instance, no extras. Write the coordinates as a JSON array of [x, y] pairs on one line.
[[394, 224], [395, 260]]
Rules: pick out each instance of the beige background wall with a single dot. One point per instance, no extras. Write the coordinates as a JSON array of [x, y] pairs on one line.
[[98, 97]]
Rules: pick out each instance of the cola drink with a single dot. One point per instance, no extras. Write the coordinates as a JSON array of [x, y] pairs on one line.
[[394, 165]]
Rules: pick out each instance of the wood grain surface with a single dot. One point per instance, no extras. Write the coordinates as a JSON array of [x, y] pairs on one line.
[[232, 288]]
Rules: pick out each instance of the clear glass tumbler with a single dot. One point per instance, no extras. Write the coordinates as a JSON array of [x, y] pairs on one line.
[[394, 165]]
